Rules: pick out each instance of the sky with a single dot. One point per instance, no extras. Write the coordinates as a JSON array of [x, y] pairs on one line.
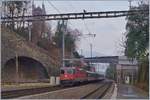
[[109, 32]]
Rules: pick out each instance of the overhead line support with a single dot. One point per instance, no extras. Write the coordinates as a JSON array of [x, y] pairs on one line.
[[67, 16]]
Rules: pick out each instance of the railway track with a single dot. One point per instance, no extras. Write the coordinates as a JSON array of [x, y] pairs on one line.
[[89, 91], [24, 92], [85, 91], [99, 92]]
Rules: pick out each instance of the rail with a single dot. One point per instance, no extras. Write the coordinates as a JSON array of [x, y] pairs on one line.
[[30, 91], [98, 92]]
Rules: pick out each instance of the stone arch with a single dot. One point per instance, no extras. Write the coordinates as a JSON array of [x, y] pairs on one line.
[[29, 70]]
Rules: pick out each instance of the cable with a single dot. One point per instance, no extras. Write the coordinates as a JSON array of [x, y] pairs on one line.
[[54, 7], [70, 4], [86, 27], [68, 21], [58, 11]]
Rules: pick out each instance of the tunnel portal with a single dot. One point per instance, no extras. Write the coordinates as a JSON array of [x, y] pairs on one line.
[[29, 70]]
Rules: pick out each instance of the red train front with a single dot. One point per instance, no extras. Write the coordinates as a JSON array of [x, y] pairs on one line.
[[72, 75], [78, 73]]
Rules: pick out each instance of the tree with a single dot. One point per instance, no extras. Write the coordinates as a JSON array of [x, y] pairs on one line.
[[111, 72], [137, 37], [71, 36], [58, 34], [41, 30], [14, 8], [137, 41]]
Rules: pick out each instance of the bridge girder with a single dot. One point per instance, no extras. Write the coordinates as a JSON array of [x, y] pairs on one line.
[[67, 16], [105, 59]]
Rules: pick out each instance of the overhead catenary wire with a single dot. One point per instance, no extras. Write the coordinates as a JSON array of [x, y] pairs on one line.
[[70, 4], [57, 10], [75, 11], [86, 27], [74, 8], [54, 7]]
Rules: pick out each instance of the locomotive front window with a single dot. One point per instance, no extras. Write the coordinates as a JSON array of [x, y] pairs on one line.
[[73, 71], [70, 71], [62, 71]]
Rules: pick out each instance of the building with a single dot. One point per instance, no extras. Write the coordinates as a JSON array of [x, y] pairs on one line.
[[39, 28], [126, 70]]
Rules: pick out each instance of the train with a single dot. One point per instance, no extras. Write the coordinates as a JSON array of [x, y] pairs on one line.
[[76, 75]]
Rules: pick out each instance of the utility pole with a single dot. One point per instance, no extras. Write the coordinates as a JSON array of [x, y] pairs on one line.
[[90, 43], [63, 49], [17, 60], [130, 1], [17, 69], [17, 63], [29, 29], [132, 77], [63, 44], [81, 52], [91, 49]]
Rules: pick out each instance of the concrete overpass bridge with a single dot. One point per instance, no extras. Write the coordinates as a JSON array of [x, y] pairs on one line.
[[126, 69], [34, 63], [103, 59]]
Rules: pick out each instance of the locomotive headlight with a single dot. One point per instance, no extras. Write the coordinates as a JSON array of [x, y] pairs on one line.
[[65, 75]]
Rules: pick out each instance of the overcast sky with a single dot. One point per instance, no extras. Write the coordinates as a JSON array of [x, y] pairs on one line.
[[109, 32]]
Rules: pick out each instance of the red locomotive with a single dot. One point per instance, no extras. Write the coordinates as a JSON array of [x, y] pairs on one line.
[[74, 75]]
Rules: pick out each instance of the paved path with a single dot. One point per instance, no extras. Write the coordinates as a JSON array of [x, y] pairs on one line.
[[114, 95], [130, 92]]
